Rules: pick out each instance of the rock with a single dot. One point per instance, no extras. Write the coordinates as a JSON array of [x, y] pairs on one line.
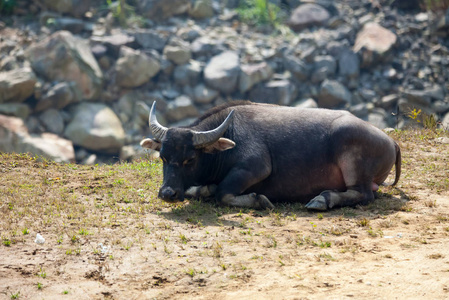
[[359, 110], [188, 73], [15, 109], [162, 9], [281, 92], [389, 101], [441, 106], [348, 64], [205, 46], [325, 67], [114, 42], [96, 127], [374, 42], [179, 54], [50, 146], [16, 85], [59, 96], [150, 39], [307, 15], [73, 25], [204, 95], [14, 137], [445, 122], [76, 8], [202, 9], [306, 103], [63, 57], [222, 72], [181, 108], [53, 121], [333, 94], [135, 68], [377, 120], [297, 67], [251, 75]]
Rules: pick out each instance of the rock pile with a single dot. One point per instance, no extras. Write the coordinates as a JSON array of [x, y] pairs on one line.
[[73, 81]]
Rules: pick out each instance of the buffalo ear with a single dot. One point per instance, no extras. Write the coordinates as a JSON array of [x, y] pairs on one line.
[[150, 144], [221, 145]]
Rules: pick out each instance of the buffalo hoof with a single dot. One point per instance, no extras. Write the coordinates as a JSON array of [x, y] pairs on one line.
[[264, 203], [317, 203]]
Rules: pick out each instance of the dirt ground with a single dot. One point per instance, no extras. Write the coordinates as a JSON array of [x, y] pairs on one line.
[[394, 248]]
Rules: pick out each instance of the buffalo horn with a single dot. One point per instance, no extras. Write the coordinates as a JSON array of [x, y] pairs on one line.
[[204, 138], [157, 129]]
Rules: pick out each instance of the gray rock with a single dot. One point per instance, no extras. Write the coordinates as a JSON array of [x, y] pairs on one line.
[[251, 75], [307, 15], [348, 64], [389, 101], [50, 146], [377, 120], [374, 42], [327, 63], [181, 108], [360, 110], [73, 25], [179, 54], [16, 85], [63, 57], [59, 96], [222, 72], [114, 42], [188, 73], [204, 95], [333, 94], [76, 8], [96, 127], [135, 68], [297, 67], [441, 106], [53, 121], [281, 92], [15, 109], [150, 39], [202, 9], [306, 103], [445, 122], [162, 9]]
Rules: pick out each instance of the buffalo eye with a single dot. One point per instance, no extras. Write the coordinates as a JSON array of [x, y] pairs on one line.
[[188, 161]]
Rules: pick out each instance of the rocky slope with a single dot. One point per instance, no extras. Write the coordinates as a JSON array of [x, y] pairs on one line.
[[76, 77]]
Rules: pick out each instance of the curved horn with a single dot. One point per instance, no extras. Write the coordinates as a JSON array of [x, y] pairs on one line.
[[204, 138], [157, 129]]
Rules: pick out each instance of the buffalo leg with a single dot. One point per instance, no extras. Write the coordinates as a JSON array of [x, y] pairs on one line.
[[351, 197], [249, 200], [204, 191]]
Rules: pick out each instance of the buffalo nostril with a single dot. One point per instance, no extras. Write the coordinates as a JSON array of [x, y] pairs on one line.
[[168, 194]]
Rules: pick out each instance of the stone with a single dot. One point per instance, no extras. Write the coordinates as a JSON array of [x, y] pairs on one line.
[[162, 9], [59, 96], [204, 95], [389, 100], [76, 8], [114, 42], [445, 121], [326, 62], [12, 132], [179, 54], [95, 127], [374, 42], [135, 68], [251, 75], [150, 39], [281, 92], [53, 121], [202, 9], [297, 67], [308, 15], [306, 103], [188, 73], [333, 94], [64, 57], [222, 72], [17, 85], [181, 108], [50, 146], [15, 109], [348, 64]]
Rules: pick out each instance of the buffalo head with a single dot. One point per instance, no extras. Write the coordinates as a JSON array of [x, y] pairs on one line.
[[182, 151]]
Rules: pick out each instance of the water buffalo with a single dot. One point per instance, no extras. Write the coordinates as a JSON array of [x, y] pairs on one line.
[[249, 154]]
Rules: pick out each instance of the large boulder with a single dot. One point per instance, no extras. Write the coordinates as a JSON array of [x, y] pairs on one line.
[[202, 9], [251, 75], [281, 92], [96, 127], [14, 137], [162, 9], [135, 68], [59, 96], [375, 43], [64, 57], [307, 15], [222, 72], [16, 85]]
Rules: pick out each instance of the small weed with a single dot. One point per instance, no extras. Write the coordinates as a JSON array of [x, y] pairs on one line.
[[183, 238], [364, 222], [191, 272], [65, 292], [25, 231], [6, 242], [430, 203], [436, 256], [320, 216], [39, 286], [42, 273], [15, 296]]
